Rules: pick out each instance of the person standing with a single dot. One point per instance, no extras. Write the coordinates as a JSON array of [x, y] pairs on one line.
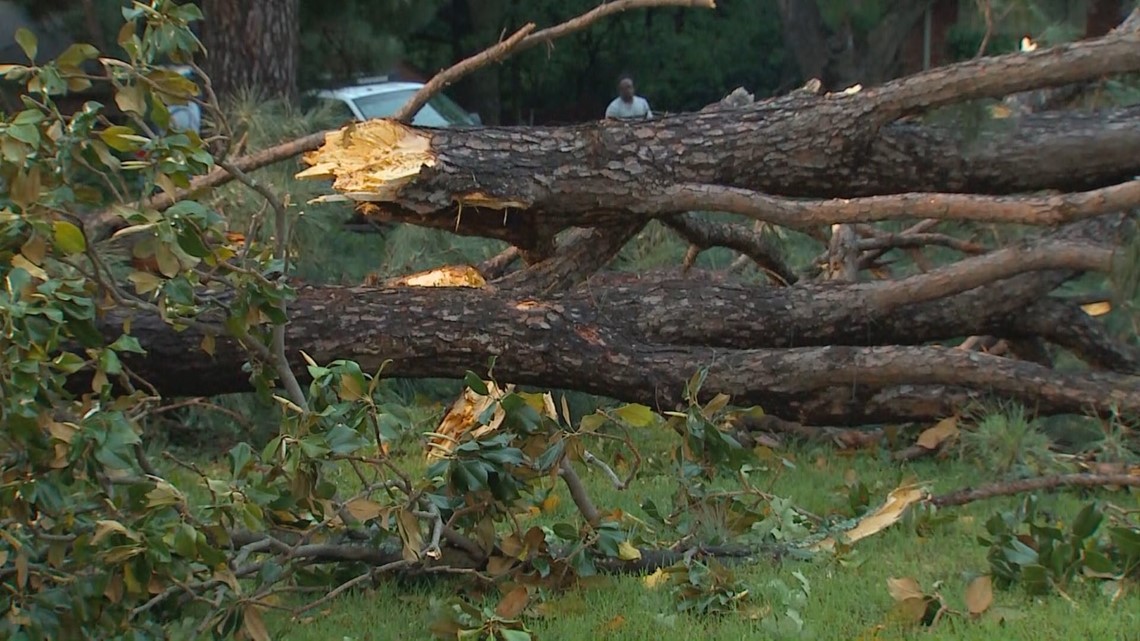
[[628, 105]]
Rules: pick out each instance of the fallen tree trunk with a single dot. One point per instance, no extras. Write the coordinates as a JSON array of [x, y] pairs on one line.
[[525, 184], [597, 339]]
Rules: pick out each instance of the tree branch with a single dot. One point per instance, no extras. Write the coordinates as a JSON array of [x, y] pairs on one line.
[[750, 242], [1022, 486]]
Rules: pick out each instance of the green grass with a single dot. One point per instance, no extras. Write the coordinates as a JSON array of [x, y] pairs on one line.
[[847, 600]]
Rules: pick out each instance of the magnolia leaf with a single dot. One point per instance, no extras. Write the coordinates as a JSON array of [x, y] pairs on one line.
[[76, 54], [634, 414], [131, 99], [934, 437], [904, 588], [513, 603], [35, 249], [351, 388], [253, 625], [364, 510], [145, 282], [655, 580], [28, 42], [627, 552], [69, 238], [208, 344], [20, 262], [1099, 308], [980, 595], [716, 405]]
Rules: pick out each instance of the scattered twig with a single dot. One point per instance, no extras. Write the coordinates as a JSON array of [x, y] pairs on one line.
[[348, 585], [497, 265], [605, 468], [1037, 484]]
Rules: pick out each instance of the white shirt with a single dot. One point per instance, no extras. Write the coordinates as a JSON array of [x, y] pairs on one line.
[[638, 108]]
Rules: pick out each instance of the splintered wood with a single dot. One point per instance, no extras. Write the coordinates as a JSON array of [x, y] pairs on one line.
[[370, 161]]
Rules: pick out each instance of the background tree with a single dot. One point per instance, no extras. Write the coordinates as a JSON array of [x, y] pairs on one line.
[[252, 45]]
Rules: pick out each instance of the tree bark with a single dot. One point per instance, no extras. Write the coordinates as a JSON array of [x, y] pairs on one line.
[[252, 45], [524, 184], [595, 341], [808, 353]]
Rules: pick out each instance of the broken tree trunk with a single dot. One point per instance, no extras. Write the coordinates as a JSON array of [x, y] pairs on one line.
[[525, 184], [580, 342], [812, 352]]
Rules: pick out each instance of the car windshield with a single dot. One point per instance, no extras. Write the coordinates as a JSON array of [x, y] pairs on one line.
[[440, 111]]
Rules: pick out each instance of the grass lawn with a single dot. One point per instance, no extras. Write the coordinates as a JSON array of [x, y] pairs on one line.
[[848, 600]]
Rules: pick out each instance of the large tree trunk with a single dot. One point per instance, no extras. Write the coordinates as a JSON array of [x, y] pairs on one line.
[[617, 337], [252, 45], [525, 184]]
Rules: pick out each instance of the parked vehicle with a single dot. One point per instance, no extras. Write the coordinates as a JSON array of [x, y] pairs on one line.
[[380, 98]]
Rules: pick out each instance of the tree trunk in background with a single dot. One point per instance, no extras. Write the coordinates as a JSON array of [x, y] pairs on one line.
[[483, 86], [1102, 17], [252, 44], [840, 56]]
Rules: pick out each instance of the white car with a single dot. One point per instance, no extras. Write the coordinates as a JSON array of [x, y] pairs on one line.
[[381, 98]]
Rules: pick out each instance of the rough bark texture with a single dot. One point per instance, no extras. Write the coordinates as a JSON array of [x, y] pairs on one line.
[[595, 341], [806, 352], [252, 45]]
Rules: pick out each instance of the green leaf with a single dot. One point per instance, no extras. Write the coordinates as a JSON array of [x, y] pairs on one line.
[[1019, 553], [122, 138], [186, 541], [76, 54], [514, 635], [342, 439], [240, 456], [475, 383], [548, 459], [635, 415], [69, 238], [565, 531], [26, 133], [131, 99], [127, 343], [28, 42], [191, 242], [1087, 521]]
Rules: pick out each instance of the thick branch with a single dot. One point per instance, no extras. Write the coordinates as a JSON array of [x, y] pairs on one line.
[[750, 242], [550, 179], [571, 340]]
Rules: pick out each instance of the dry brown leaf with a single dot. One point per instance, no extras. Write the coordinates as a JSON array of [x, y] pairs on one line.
[[408, 525], [253, 625], [363, 509], [980, 595], [613, 625], [499, 565], [889, 513], [513, 603], [911, 610], [655, 580], [934, 437], [904, 588]]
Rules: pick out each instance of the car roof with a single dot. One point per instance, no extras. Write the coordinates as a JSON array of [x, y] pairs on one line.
[[352, 92]]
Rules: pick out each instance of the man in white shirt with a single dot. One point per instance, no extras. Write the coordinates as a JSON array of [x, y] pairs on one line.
[[628, 105]]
